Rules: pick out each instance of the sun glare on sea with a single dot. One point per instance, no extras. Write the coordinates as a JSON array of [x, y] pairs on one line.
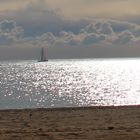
[[98, 82]]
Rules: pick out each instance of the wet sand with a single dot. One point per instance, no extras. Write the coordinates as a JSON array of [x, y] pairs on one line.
[[90, 123]]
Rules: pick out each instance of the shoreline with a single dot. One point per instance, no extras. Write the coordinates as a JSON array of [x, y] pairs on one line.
[[75, 123], [72, 108]]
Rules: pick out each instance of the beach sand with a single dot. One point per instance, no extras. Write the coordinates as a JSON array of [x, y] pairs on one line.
[[89, 123]]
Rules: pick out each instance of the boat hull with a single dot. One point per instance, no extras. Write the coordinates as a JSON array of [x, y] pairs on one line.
[[43, 61]]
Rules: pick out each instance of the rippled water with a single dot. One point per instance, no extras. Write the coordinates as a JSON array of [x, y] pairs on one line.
[[63, 83]]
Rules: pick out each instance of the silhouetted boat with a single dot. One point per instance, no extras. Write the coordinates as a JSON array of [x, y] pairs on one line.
[[43, 56]]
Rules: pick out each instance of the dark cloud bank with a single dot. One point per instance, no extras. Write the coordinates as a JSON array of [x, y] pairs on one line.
[[23, 33]]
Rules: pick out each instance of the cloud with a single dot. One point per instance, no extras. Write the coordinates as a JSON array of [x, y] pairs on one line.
[[93, 38], [41, 16], [74, 42], [7, 39], [91, 28], [9, 26], [106, 28], [66, 30], [111, 32], [33, 16], [99, 27], [119, 26], [97, 32], [125, 37], [38, 25], [10, 32], [46, 39]]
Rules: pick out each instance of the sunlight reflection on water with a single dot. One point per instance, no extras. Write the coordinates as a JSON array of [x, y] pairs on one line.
[[70, 83]]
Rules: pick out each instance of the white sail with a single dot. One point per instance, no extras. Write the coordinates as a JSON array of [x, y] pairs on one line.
[[43, 55]]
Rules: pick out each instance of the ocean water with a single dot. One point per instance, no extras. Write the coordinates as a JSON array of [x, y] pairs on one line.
[[69, 83]]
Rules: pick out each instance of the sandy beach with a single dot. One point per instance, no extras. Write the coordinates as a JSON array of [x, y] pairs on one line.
[[90, 123]]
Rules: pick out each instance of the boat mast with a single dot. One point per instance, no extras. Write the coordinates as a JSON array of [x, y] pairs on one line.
[[42, 54]]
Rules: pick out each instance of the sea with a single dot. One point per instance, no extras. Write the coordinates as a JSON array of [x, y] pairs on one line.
[[69, 83]]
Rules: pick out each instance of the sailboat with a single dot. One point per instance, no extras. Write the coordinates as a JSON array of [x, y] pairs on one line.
[[43, 56]]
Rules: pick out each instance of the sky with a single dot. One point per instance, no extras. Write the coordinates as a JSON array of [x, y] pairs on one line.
[[69, 28]]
